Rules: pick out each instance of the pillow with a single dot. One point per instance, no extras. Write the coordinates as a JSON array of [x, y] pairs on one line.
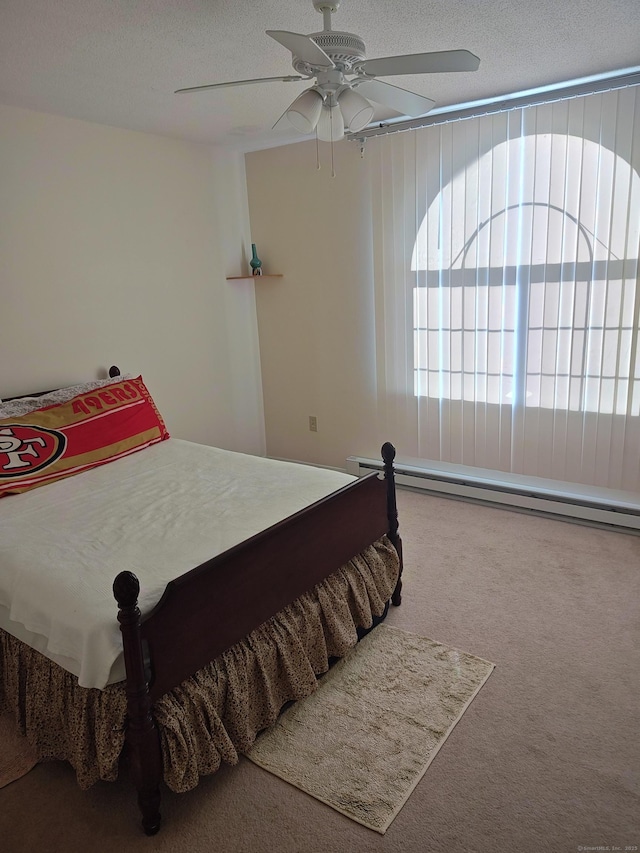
[[88, 430], [15, 408]]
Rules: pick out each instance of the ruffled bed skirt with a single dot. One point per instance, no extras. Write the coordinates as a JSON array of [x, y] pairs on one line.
[[217, 713]]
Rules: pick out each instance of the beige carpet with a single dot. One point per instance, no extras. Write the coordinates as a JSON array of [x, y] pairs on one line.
[[545, 760], [17, 756], [364, 739]]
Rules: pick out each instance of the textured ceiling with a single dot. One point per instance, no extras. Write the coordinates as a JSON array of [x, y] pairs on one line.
[[118, 62]]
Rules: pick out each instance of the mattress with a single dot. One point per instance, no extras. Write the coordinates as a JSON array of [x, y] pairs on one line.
[[157, 513]]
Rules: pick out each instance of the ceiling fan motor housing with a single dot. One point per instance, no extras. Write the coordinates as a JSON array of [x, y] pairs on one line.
[[344, 50]]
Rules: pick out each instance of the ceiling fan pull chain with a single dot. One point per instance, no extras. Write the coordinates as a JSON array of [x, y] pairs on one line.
[[317, 151]]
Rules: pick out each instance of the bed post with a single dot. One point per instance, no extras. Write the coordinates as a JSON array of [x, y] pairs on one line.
[[142, 737], [388, 455]]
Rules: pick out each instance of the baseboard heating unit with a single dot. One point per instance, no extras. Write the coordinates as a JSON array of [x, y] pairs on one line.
[[572, 502]]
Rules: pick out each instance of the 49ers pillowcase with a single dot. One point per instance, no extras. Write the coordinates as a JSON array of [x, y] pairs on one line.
[[88, 430]]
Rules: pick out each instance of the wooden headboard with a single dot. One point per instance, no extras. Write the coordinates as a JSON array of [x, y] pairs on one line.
[[113, 372]]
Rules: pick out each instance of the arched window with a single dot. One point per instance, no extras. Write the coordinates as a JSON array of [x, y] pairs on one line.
[[507, 293], [528, 294]]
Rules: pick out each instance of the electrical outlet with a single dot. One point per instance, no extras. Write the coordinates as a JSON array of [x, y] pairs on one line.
[[313, 423]]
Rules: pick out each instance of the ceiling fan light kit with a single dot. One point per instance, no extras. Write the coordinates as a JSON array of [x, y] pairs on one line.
[[357, 111], [337, 63], [330, 127], [305, 111]]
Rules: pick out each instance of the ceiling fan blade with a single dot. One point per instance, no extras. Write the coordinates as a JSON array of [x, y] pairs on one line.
[[421, 63], [291, 78], [405, 102], [303, 47]]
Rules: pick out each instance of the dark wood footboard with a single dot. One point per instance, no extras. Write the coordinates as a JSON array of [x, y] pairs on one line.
[[210, 608]]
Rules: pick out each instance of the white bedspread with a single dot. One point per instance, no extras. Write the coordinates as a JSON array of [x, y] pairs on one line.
[[157, 513]]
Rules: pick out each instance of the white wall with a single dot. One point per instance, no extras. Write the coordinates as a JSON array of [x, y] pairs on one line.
[[317, 323], [114, 247]]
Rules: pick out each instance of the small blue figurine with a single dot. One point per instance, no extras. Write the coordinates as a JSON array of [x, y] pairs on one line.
[[255, 263]]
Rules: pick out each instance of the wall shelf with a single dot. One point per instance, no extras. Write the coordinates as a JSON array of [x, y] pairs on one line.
[[253, 277]]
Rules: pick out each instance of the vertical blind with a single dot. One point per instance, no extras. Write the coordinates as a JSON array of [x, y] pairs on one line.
[[507, 294]]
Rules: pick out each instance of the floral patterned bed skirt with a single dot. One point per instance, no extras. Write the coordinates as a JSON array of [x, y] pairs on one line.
[[217, 713]]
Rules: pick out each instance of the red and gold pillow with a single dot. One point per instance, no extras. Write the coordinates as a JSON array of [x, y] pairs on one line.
[[88, 430]]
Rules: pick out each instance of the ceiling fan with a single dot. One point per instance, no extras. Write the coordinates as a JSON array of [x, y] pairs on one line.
[[346, 82]]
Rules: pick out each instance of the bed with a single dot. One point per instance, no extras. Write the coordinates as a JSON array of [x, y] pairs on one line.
[[292, 565]]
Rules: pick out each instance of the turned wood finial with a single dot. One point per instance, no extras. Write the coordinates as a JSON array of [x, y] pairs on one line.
[[388, 453], [126, 589]]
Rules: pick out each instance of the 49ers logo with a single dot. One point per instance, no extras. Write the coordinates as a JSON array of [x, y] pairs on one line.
[[27, 449]]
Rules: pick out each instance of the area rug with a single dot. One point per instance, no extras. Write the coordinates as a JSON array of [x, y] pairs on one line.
[[17, 756], [364, 739]]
